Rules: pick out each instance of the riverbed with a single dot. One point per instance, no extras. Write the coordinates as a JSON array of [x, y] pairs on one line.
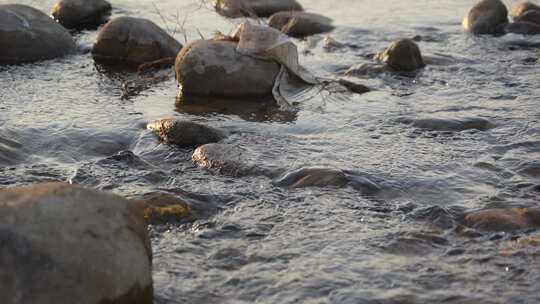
[[254, 242]]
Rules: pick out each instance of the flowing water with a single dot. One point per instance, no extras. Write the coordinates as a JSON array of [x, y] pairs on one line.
[[68, 120]]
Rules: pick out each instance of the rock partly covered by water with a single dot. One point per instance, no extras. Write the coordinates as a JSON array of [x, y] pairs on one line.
[[511, 219], [450, 124], [523, 28], [223, 158], [327, 177], [519, 9], [486, 17], [133, 41], [403, 55], [300, 24], [28, 35], [216, 68], [63, 243], [185, 133], [163, 208], [81, 13], [532, 16], [259, 8]]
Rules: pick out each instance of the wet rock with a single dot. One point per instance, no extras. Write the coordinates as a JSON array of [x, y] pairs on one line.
[[415, 243], [260, 8], [185, 133], [223, 158], [133, 41], [507, 220], [530, 169], [519, 9], [28, 35], [529, 244], [450, 124], [403, 55], [523, 28], [486, 17], [162, 208], [216, 68], [63, 242], [81, 13], [532, 16], [300, 24], [354, 87], [326, 177]]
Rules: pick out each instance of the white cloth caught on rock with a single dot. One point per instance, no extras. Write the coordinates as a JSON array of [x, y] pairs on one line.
[[268, 43]]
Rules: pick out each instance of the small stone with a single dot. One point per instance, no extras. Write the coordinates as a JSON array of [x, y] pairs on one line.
[[185, 133], [255, 8], [403, 55], [81, 13], [486, 17], [300, 24]]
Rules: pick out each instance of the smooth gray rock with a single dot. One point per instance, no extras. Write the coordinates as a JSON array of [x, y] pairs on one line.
[[28, 35], [259, 8], [300, 24], [486, 17], [133, 41], [81, 13], [403, 55], [216, 68], [185, 133], [523, 28], [64, 244]]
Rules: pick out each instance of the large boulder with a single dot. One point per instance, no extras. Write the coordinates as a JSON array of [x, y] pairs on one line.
[[185, 133], [523, 28], [133, 41], [63, 244], [403, 55], [81, 13], [28, 35], [520, 8], [216, 68], [511, 219], [255, 8], [300, 24], [486, 17]]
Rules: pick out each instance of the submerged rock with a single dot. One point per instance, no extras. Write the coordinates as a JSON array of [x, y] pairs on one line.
[[185, 133], [486, 17], [326, 177], [521, 8], [81, 13], [403, 55], [523, 28], [532, 16], [162, 208], [133, 41], [255, 8], [495, 220], [28, 35], [450, 124], [300, 24], [216, 68], [63, 242], [223, 158]]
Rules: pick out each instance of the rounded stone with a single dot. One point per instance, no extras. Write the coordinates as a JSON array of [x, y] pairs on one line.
[[486, 17], [128, 40], [495, 220], [259, 8], [300, 24], [403, 55], [81, 13], [185, 133], [523, 28], [216, 68], [28, 35], [520, 8], [62, 242], [532, 16]]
